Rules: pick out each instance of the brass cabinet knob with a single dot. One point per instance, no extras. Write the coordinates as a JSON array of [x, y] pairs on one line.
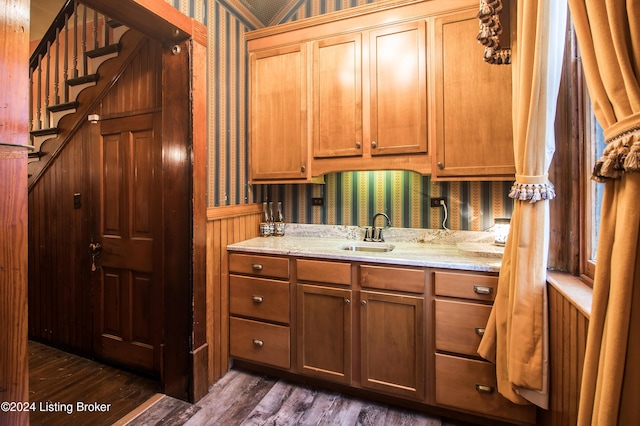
[[347, 301], [358, 145], [257, 299], [440, 165], [258, 343], [363, 303], [480, 331], [302, 169], [256, 267], [374, 144]]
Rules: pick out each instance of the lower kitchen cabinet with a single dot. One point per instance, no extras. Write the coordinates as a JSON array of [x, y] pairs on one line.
[[463, 381], [393, 344], [324, 332], [259, 308], [470, 385], [405, 332], [260, 342]]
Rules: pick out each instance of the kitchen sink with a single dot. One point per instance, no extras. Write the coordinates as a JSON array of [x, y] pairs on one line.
[[367, 246]]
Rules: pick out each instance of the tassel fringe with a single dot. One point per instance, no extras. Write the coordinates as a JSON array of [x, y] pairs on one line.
[[490, 29], [532, 191], [622, 155]]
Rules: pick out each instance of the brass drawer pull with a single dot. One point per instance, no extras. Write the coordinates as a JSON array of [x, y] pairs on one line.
[[257, 299], [485, 388], [256, 267], [480, 331], [480, 289], [258, 343]]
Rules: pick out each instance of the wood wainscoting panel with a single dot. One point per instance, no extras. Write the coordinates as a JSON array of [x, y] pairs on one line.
[[225, 225], [568, 325]]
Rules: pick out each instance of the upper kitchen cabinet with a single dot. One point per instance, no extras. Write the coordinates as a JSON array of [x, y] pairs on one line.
[[278, 124], [398, 85], [337, 96], [473, 124], [386, 86], [370, 99]]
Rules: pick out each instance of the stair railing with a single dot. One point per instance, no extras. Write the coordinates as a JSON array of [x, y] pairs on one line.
[[62, 65]]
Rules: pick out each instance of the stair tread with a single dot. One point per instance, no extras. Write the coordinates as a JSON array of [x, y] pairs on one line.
[[113, 23], [90, 78], [101, 51], [38, 154], [63, 107], [44, 132]]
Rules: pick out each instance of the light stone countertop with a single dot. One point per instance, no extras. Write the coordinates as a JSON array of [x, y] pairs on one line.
[[466, 250]]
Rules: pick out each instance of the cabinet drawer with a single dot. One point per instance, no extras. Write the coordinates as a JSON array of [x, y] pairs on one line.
[[467, 286], [323, 271], [265, 266], [460, 326], [470, 385], [385, 278], [260, 342], [259, 298]]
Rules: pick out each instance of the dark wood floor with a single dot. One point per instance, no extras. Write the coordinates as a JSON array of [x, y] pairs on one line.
[[243, 398], [58, 381]]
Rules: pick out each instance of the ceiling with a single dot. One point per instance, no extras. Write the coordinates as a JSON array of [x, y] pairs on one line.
[[44, 11], [266, 10], [42, 14]]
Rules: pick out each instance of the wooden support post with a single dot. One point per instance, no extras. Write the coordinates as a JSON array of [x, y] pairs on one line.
[[14, 116]]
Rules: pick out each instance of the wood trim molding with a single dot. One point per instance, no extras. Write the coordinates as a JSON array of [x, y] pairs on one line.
[[574, 289], [328, 17], [227, 212], [157, 19]]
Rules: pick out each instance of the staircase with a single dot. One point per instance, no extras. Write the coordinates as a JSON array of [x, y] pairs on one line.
[[73, 66]]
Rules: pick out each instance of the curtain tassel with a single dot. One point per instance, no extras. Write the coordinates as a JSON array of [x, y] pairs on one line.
[[532, 191], [632, 162]]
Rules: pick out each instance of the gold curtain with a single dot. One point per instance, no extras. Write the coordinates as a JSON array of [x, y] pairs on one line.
[[516, 337], [608, 34]]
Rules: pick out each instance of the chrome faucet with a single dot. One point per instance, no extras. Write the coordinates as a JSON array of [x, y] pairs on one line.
[[377, 237]]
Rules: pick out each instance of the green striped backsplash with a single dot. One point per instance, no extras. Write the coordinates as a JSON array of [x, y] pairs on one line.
[[352, 198]]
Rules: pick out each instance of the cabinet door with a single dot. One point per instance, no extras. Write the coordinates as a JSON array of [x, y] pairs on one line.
[[398, 86], [473, 104], [278, 114], [393, 344], [324, 332], [337, 96]]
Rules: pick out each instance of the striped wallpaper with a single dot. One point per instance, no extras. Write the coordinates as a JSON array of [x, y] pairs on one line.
[[350, 198]]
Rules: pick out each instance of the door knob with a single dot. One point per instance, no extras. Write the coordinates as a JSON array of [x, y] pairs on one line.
[[95, 249]]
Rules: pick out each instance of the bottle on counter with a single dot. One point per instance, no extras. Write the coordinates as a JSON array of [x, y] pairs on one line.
[[279, 222], [265, 222], [272, 225]]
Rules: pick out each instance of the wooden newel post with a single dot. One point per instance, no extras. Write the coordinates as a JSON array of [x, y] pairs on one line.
[[14, 133]]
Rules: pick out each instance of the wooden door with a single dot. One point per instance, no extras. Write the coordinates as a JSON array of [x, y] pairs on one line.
[[337, 96], [324, 332], [474, 133], [393, 344], [128, 277], [398, 85], [278, 117]]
